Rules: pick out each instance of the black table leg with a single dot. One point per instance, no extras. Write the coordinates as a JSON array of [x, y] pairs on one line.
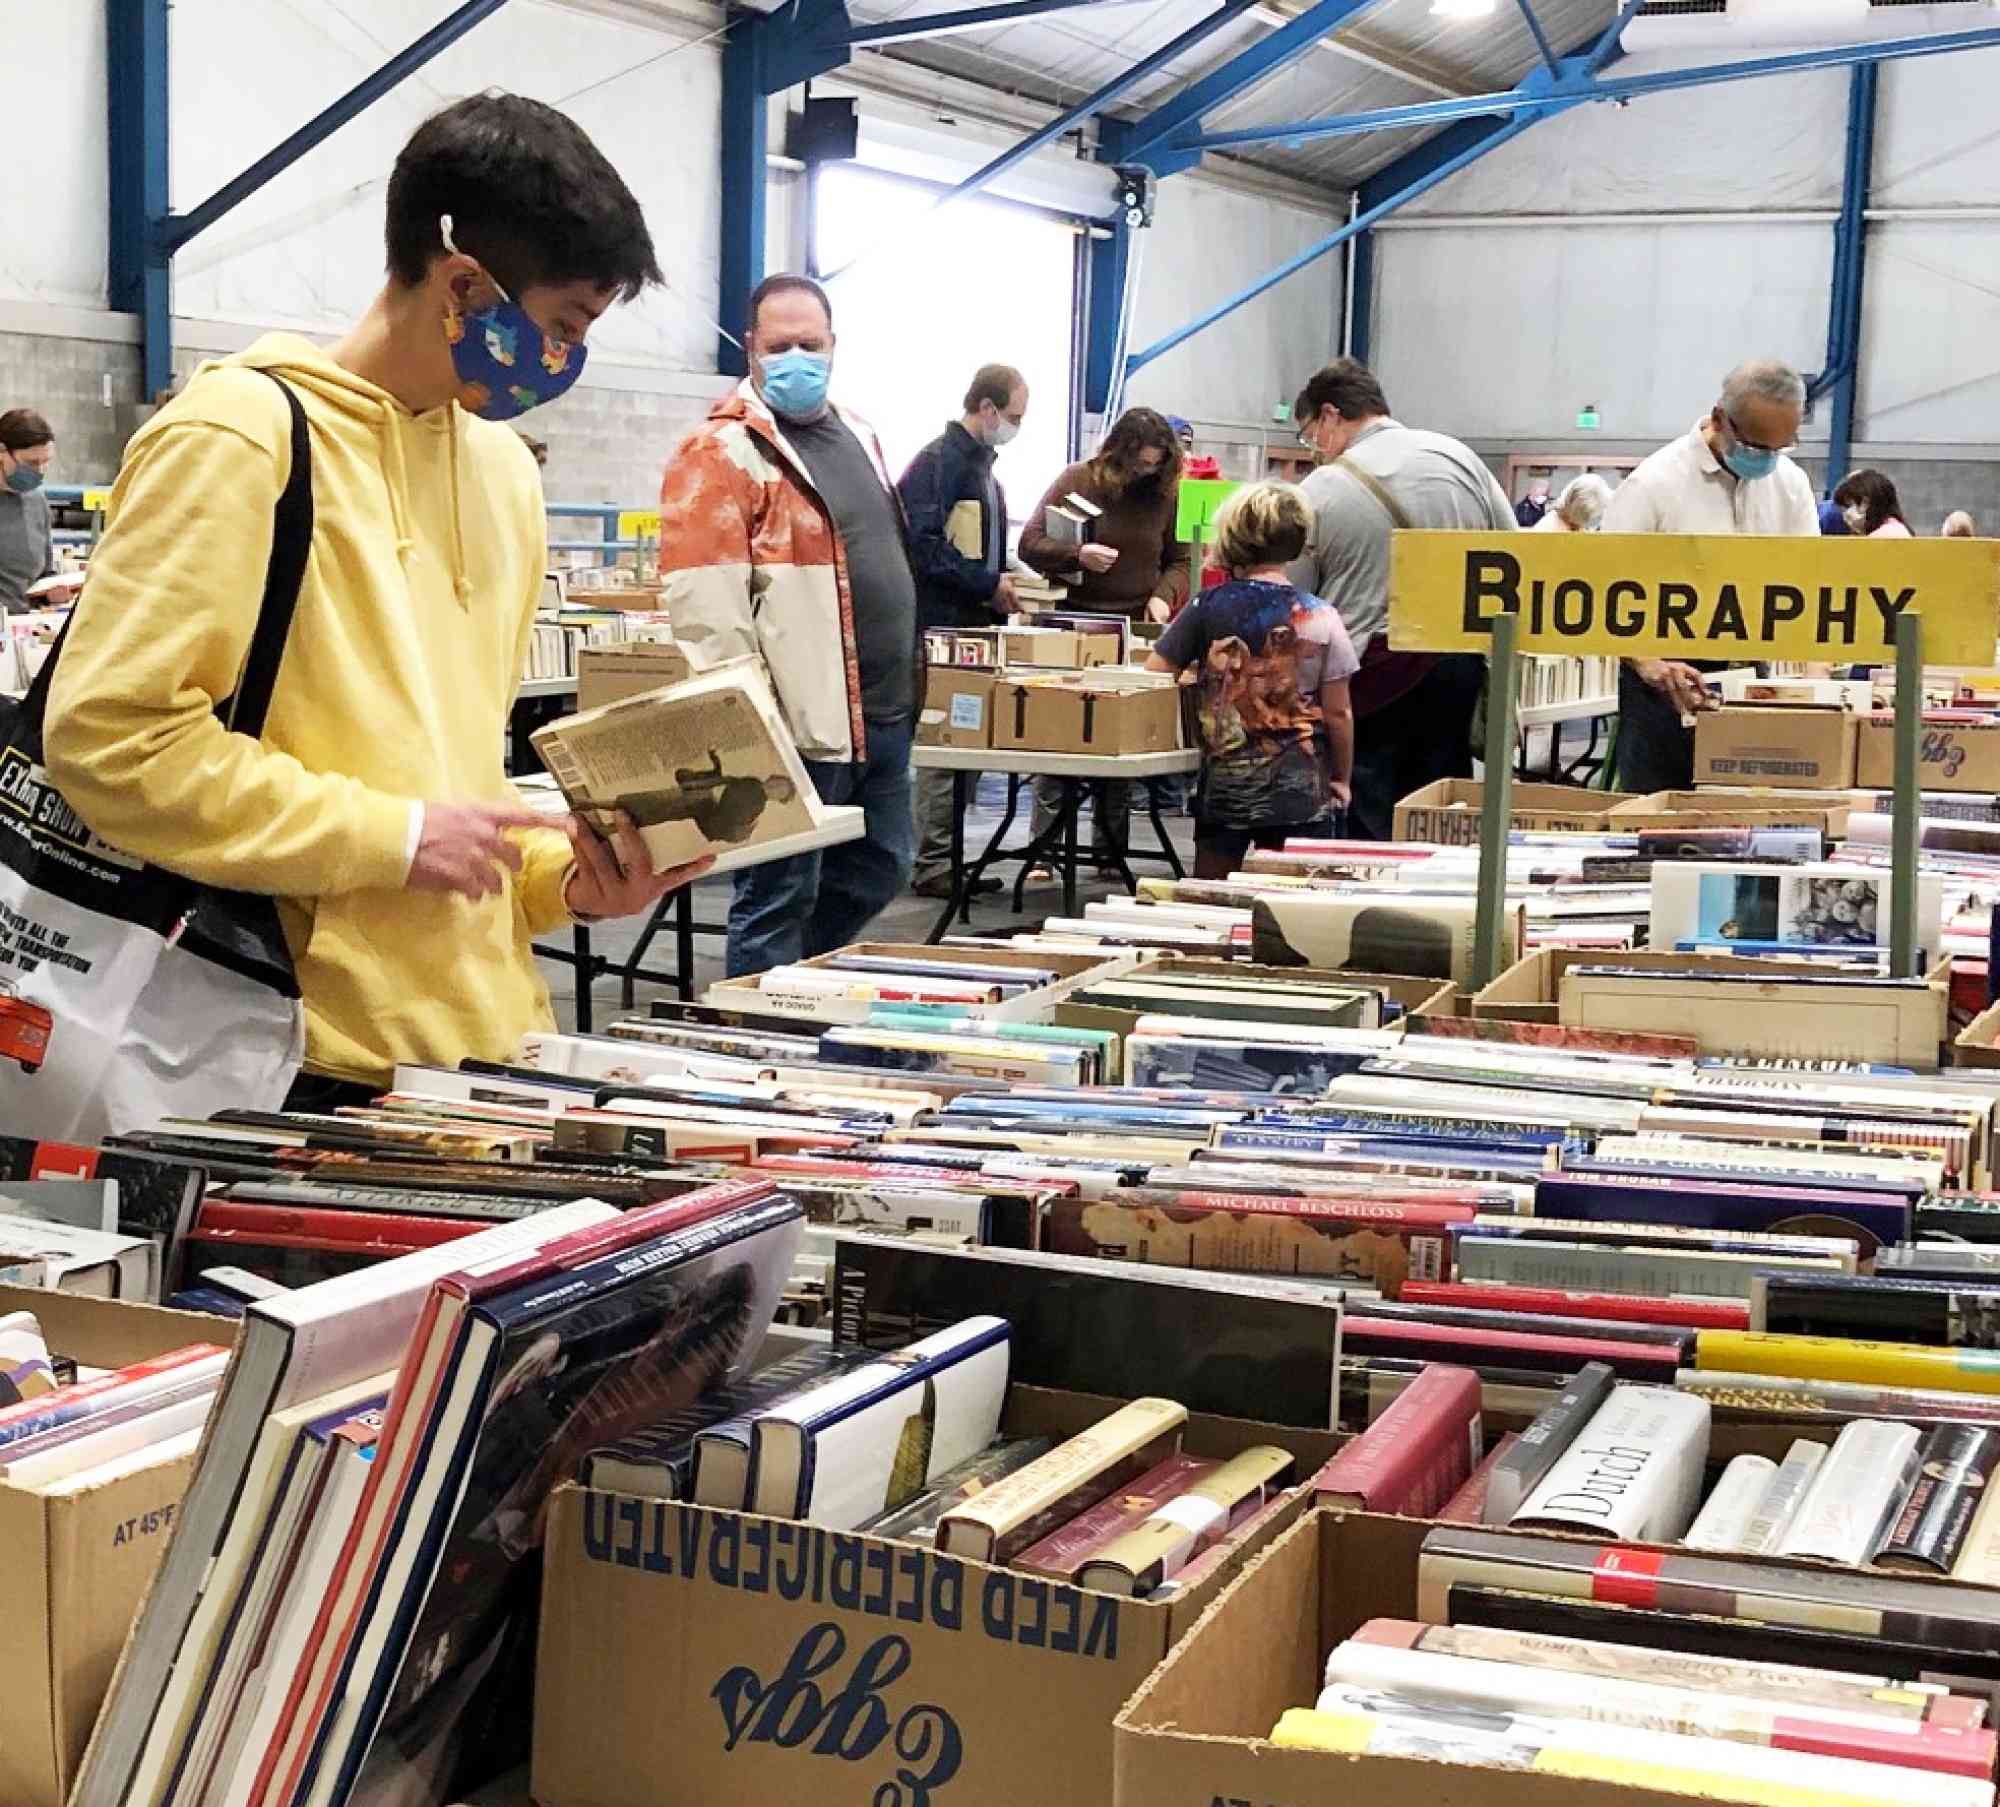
[[955, 904], [586, 980], [628, 977], [1072, 808], [1166, 841], [684, 943]]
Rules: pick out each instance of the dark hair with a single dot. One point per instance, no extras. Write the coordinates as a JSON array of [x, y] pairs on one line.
[[1133, 432], [529, 195], [21, 428], [993, 383], [1348, 386], [1875, 493], [783, 284]]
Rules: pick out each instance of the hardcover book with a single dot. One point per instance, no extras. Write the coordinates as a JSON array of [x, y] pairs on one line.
[[1954, 1469], [917, 1521], [1544, 1442], [1173, 1534], [1416, 1455], [1634, 1470]]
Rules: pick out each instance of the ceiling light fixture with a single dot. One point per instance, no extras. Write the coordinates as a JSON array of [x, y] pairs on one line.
[[1463, 9]]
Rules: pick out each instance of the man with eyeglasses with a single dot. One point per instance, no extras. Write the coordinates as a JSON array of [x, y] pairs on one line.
[[1730, 474]]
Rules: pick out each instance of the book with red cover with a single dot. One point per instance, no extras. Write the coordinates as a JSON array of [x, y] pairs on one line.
[[413, 1406], [1468, 1505], [1065, 1550], [1414, 1457], [291, 1226], [1621, 1308], [1563, 1355]]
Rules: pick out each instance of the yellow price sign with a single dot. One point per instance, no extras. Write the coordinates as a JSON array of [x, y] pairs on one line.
[[636, 521], [95, 499], [1688, 596]]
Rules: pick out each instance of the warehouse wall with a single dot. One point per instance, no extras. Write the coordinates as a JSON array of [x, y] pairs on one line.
[[304, 253], [1640, 313]]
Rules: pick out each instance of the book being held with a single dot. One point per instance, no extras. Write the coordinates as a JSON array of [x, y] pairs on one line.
[[705, 766]]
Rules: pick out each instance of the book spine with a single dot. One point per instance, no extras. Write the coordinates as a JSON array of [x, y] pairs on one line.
[[1942, 1316], [1468, 1505], [1783, 1494], [1158, 1549], [1690, 1314], [1849, 1359], [1590, 1267], [1545, 1441], [1979, 1560], [1954, 1466], [1065, 1550], [1634, 1470], [1855, 1497], [88, 1398], [1725, 1520], [1418, 1453]]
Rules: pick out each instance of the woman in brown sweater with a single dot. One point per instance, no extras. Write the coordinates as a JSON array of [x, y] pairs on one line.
[[1131, 564]]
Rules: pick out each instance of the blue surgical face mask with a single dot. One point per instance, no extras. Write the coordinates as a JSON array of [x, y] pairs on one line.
[[24, 479], [505, 363], [795, 383], [1749, 463]]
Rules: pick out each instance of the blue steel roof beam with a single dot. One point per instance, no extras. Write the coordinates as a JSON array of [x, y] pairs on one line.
[[1543, 47]]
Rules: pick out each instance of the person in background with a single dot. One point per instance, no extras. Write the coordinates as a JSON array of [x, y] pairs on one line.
[[538, 449], [1832, 520], [1729, 473], [1580, 507], [1271, 666], [957, 513], [27, 546], [1533, 508], [781, 536], [1129, 563], [1870, 506], [1412, 712], [1958, 525], [409, 876]]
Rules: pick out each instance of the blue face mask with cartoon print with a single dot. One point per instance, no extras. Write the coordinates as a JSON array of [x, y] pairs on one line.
[[504, 362]]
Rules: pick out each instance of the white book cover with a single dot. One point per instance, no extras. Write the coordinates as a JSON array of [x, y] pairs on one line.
[[1855, 1496], [101, 1262], [1724, 1520], [145, 1457], [866, 1442], [1634, 1470], [1779, 1503], [1826, 905], [92, 1447]]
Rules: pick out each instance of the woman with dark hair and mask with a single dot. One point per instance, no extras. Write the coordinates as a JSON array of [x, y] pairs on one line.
[[1871, 508], [1130, 563], [27, 548]]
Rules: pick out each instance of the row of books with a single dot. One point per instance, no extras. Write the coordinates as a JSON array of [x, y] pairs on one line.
[[562, 632], [1544, 681]]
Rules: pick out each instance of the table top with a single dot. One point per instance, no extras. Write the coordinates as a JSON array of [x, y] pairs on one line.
[[1031, 763], [1539, 715], [546, 687]]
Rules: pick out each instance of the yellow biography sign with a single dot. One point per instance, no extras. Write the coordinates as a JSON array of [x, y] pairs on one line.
[[1688, 596], [635, 521]]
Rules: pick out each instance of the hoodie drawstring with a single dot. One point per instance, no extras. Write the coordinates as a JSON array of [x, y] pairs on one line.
[[461, 582], [396, 477]]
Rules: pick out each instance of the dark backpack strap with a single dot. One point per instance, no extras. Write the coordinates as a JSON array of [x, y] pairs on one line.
[[291, 546]]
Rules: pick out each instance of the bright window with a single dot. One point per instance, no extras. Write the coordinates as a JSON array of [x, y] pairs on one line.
[[924, 295]]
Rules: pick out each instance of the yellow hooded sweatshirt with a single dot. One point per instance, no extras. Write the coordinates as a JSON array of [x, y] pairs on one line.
[[429, 545]]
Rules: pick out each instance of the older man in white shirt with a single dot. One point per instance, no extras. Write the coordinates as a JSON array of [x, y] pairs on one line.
[[1730, 474]]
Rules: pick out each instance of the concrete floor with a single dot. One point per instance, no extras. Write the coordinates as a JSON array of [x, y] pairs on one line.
[[908, 918]]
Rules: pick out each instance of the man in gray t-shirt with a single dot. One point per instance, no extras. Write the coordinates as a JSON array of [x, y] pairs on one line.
[[1412, 712]]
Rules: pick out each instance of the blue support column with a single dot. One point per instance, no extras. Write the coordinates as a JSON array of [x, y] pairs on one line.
[[141, 278], [1850, 261], [1108, 259], [745, 133]]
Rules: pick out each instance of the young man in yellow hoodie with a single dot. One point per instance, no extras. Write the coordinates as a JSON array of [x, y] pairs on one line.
[[374, 807]]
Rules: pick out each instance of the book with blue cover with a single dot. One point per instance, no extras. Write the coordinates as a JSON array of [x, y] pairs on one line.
[[1870, 1220]]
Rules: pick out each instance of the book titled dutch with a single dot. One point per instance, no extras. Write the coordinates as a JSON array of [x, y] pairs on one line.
[[1018, 1511], [867, 1441], [1634, 1470]]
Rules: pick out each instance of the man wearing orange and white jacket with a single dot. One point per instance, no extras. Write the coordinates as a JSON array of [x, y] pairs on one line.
[[781, 535]]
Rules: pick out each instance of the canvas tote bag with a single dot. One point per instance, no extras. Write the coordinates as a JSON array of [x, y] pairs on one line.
[[128, 993]]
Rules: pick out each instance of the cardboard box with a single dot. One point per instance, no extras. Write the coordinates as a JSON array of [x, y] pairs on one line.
[[717, 1658], [609, 674], [1787, 748], [1733, 807], [1978, 1043], [1080, 715], [1773, 1016], [1447, 812], [1951, 756], [1064, 648], [1035, 1005], [958, 708], [1196, 1734], [1530, 991], [76, 1567]]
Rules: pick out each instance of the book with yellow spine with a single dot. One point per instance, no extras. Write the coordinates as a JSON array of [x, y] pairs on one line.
[[1849, 1359], [1020, 1510]]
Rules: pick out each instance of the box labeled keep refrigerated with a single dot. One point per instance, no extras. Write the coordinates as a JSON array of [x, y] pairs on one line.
[[1448, 811], [1788, 748], [958, 708], [718, 1658], [78, 1563], [1951, 755]]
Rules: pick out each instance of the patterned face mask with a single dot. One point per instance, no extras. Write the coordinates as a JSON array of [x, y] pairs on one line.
[[505, 363]]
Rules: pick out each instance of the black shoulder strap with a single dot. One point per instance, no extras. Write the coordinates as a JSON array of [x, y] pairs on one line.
[[291, 545]]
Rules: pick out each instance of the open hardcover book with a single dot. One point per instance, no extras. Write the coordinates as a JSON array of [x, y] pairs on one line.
[[703, 766]]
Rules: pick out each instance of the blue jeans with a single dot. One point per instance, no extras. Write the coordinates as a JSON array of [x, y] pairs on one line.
[[787, 910]]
